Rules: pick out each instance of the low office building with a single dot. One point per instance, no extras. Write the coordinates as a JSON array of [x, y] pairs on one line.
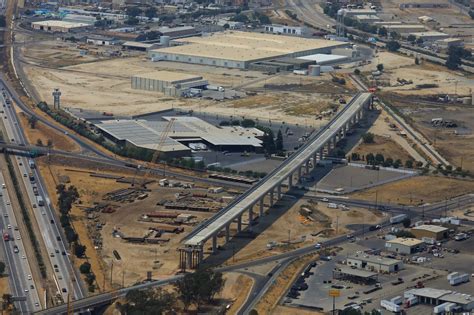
[[167, 82], [355, 275], [375, 263], [430, 36], [435, 232], [100, 40], [354, 12], [404, 246], [446, 43], [369, 19], [405, 28], [178, 32], [285, 29], [56, 26]]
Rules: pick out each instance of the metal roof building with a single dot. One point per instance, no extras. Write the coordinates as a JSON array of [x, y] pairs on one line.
[[375, 263], [432, 231], [404, 245], [147, 134], [437, 296], [234, 49]]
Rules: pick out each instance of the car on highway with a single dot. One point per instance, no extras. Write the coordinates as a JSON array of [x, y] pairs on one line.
[[325, 200], [29, 277], [37, 304], [317, 246], [5, 214], [9, 226], [15, 249]]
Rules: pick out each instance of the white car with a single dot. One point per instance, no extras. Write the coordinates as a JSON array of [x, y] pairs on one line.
[[325, 200], [317, 246], [29, 277]]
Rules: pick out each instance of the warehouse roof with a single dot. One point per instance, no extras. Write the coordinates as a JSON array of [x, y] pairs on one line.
[[459, 298], [324, 58], [405, 241], [169, 76], [147, 134], [430, 228], [57, 23], [244, 46], [429, 292], [408, 26], [357, 272], [376, 259]]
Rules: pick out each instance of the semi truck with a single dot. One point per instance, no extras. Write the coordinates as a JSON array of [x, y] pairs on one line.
[[398, 218]]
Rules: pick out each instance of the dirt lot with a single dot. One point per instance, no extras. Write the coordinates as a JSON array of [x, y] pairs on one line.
[[99, 83], [411, 191], [4, 286], [402, 67], [280, 224], [44, 133], [384, 146]]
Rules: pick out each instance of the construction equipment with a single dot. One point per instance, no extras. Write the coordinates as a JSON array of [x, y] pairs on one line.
[[157, 153]]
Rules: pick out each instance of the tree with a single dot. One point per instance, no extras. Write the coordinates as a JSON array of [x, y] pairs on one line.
[[151, 301], [419, 41], [2, 268], [370, 158], [380, 67], [90, 278], [79, 250], [32, 120], [247, 123], [49, 143], [226, 26], [383, 31], [85, 268], [379, 158], [393, 46], [395, 35], [199, 287], [356, 71], [133, 11], [409, 164], [406, 222], [132, 21], [368, 137], [150, 12], [279, 141], [39, 142], [411, 38]]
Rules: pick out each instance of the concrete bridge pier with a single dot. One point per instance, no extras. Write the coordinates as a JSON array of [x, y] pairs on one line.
[[250, 219], [321, 153], [306, 167], [239, 224], [299, 173], [260, 210], [271, 197], [214, 244], [279, 191], [290, 181], [227, 233]]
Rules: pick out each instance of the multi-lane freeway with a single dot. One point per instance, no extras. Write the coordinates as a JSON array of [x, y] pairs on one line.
[[22, 284], [51, 234]]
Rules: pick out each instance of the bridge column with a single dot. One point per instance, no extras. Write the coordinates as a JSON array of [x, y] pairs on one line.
[[290, 181], [239, 224], [250, 218], [189, 258], [214, 244], [321, 153], [227, 233], [334, 141], [260, 210], [279, 191], [315, 159], [271, 197], [299, 173]]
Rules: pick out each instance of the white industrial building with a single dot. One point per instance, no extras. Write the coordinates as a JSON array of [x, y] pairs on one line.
[[369, 19], [167, 82], [325, 59], [449, 42], [355, 12], [442, 299], [234, 49], [375, 263], [430, 36], [405, 28], [184, 130], [286, 30], [100, 40], [56, 26]]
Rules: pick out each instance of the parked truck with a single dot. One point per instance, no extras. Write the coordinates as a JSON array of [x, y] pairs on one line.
[[398, 218], [460, 236], [389, 306]]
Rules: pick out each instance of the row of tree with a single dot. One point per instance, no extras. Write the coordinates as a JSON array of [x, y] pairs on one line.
[[86, 269], [194, 289]]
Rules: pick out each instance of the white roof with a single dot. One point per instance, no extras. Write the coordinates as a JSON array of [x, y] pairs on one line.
[[431, 228], [147, 134], [57, 23], [324, 58]]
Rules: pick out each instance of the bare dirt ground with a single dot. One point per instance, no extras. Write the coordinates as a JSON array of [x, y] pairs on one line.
[[398, 66], [411, 191], [4, 286], [384, 146], [290, 224], [44, 133], [236, 290], [103, 84]]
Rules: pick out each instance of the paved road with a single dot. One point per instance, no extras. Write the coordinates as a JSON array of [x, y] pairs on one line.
[[216, 223], [51, 232], [18, 267]]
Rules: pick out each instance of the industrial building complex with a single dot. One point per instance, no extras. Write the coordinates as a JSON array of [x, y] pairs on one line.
[[169, 83], [179, 134], [240, 49]]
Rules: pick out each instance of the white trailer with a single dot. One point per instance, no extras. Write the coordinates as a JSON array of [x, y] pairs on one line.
[[389, 306], [398, 218]]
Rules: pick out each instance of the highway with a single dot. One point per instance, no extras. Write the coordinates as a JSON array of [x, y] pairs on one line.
[[51, 232], [18, 267], [216, 223]]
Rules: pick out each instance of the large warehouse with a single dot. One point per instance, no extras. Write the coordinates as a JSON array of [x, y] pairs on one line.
[[185, 132], [167, 82], [55, 26], [233, 49]]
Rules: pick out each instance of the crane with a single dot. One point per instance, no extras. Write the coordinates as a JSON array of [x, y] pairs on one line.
[[157, 152]]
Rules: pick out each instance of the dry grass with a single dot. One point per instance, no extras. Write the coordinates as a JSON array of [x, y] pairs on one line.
[[236, 289], [383, 146], [413, 190], [44, 133], [270, 300]]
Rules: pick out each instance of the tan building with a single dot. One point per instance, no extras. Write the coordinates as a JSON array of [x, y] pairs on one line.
[[56, 26], [404, 245], [432, 231]]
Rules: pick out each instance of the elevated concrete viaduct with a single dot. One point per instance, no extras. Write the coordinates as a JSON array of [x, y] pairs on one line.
[[271, 186]]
